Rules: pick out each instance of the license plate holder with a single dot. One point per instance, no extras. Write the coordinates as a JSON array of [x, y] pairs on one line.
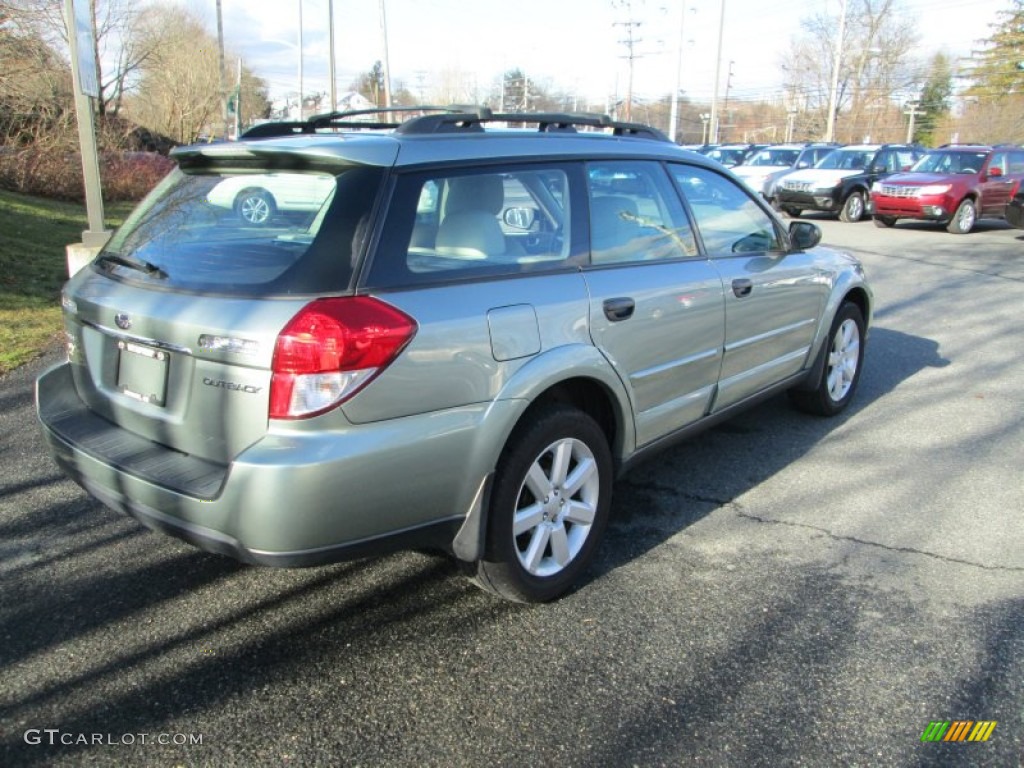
[[142, 372]]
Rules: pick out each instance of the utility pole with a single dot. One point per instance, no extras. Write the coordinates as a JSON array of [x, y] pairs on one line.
[[913, 112], [790, 124], [301, 94], [631, 55]]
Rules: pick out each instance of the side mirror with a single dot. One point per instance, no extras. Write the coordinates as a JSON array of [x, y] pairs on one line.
[[804, 234], [520, 218], [995, 172]]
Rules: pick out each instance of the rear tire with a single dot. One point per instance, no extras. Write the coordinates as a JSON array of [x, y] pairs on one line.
[[254, 207], [549, 506], [841, 372], [853, 208]]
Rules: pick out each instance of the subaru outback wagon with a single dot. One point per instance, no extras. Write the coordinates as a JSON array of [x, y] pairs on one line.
[[458, 347]]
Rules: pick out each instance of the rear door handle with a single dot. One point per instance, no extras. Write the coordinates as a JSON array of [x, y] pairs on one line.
[[619, 309], [742, 287]]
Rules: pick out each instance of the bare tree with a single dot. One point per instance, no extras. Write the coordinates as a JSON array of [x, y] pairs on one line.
[[36, 103], [875, 70], [179, 92], [120, 52]]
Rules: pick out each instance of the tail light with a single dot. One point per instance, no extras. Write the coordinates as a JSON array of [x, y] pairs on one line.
[[330, 350]]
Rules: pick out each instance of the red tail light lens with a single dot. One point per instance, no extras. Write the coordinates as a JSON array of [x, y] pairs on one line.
[[330, 350]]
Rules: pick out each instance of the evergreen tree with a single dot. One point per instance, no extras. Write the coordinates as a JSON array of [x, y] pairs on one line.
[[999, 71], [934, 99]]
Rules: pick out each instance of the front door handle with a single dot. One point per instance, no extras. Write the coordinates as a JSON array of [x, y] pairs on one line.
[[619, 309], [742, 287]]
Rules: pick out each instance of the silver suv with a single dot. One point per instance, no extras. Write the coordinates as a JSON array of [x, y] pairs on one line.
[[471, 331]]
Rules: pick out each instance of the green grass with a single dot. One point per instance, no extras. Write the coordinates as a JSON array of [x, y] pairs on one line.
[[33, 267]]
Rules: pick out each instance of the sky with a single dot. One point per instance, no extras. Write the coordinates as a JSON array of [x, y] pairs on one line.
[[567, 45]]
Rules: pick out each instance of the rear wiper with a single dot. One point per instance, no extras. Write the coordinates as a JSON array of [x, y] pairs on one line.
[[138, 264]]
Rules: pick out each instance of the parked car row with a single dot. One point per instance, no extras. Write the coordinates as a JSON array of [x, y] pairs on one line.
[[954, 185]]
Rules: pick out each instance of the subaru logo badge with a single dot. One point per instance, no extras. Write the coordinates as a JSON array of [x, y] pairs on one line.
[[123, 320]]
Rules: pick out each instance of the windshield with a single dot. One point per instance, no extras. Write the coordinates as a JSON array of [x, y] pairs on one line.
[[951, 162], [846, 159], [246, 233], [783, 157], [728, 156]]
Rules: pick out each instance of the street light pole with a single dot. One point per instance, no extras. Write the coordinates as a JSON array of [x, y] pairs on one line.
[[673, 120], [837, 60], [330, 24], [387, 65], [713, 137]]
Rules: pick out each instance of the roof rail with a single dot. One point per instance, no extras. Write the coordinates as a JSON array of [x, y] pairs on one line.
[[547, 122], [346, 119], [451, 119]]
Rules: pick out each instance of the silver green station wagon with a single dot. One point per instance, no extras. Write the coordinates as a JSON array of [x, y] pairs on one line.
[[447, 332]]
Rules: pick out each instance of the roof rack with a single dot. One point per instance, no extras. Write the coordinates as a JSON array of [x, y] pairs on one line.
[[450, 119], [547, 122], [344, 120]]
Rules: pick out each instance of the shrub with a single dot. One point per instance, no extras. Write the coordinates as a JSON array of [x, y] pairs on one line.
[[58, 174]]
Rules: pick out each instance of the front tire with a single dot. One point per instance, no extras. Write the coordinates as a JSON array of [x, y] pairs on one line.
[[841, 372], [853, 208], [549, 506], [964, 218], [885, 222], [793, 213]]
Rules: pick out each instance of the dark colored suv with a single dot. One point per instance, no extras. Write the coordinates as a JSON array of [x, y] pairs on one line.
[[954, 185], [841, 181], [453, 337]]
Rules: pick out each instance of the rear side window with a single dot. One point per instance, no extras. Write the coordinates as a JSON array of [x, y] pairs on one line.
[[247, 234], [470, 223]]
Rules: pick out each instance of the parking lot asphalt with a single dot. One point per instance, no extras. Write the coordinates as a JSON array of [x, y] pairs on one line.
[[781, 590]]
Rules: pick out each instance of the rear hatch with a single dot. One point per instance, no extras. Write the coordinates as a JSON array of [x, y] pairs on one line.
[[173, 327]]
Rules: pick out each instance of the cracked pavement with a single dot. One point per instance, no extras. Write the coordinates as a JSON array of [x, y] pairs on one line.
[[781, 590]]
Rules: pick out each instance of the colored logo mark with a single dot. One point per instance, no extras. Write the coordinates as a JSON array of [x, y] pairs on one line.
[[958, 730]]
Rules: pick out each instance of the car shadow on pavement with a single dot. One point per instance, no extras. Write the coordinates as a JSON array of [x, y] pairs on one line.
[[676, 489], [128, 632]]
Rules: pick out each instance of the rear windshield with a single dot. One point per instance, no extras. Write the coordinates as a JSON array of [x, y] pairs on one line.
[[280, 232]]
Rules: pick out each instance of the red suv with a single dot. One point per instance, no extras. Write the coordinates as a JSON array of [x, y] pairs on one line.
[[954, 185]]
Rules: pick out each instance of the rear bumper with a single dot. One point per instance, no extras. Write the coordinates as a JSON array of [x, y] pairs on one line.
[[294, 498]]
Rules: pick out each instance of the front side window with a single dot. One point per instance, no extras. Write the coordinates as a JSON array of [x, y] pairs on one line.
[[727, 218], [635, 215], [246, 233], [474, 223]]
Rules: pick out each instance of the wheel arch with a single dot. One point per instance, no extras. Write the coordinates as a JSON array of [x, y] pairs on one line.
[[577, 375], [846, 291], [257, 189]]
